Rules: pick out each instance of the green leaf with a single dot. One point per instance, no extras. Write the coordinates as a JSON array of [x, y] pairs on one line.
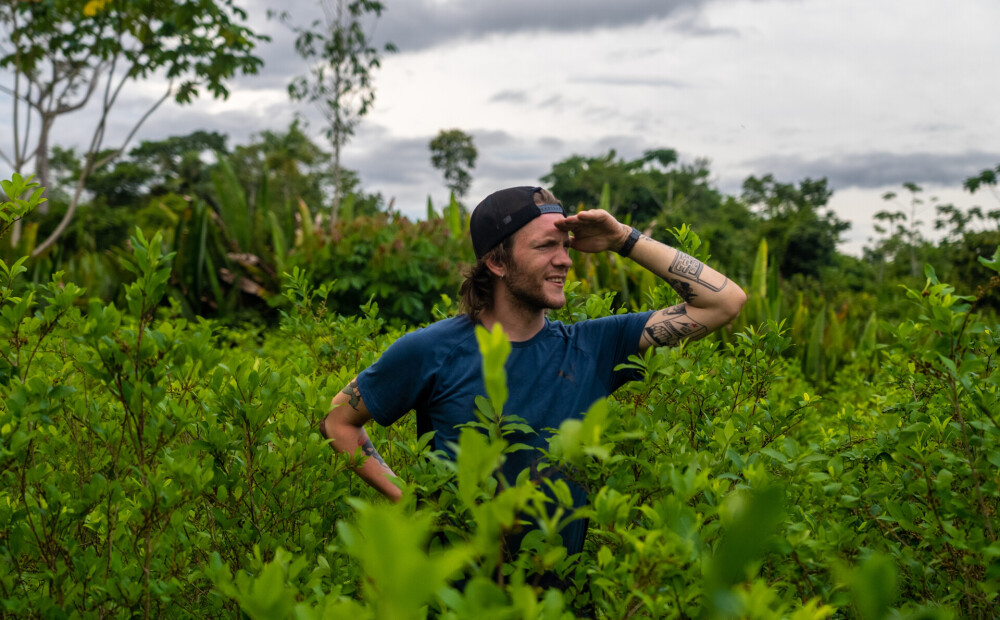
[[874, 587], [494, 347], [993, 262]]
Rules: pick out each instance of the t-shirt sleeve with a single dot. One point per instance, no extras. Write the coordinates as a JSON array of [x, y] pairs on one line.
[[613, 339], [398, 381]]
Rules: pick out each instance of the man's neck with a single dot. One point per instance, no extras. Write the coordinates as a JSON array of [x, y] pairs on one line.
[[518, 322]]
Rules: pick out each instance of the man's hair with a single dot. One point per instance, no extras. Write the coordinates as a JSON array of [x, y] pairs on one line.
[[476, 293]]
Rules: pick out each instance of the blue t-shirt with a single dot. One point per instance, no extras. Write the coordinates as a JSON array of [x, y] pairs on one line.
[[556, 375]]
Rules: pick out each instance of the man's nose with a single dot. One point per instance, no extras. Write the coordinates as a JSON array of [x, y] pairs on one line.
[[562, 258]]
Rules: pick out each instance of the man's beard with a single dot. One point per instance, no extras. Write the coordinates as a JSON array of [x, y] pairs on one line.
[[529, 292]]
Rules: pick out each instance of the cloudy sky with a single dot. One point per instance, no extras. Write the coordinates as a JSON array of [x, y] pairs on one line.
[[867, 94]]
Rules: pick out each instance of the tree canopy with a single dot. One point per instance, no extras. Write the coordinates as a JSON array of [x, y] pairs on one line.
[[60, 54], [454, 153]]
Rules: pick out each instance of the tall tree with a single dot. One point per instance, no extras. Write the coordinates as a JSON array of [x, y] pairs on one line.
[[339, 83], [454, 154], [801, 231], [177, 163], [59, 53], [643, 188], [658, 192]]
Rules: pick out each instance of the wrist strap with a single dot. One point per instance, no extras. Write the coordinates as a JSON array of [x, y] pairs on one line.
[[626, 248]]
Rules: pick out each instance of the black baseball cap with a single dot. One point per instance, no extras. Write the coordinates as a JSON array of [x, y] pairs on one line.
[[503, 213]]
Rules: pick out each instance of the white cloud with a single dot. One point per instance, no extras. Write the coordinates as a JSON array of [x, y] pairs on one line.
[[869, 94]]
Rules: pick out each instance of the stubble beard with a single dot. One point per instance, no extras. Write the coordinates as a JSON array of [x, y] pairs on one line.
[[528, 292]]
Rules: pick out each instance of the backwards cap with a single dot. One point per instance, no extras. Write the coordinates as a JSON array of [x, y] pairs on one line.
[[503, 213]]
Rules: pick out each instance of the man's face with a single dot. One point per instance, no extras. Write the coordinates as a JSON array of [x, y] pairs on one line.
[[538, 265]]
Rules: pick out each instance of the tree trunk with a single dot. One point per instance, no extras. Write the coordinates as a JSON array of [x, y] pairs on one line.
[[335, 207], [77, 194], [43, 170]]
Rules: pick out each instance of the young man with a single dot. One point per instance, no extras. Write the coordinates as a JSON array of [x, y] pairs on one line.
[[522, 238]]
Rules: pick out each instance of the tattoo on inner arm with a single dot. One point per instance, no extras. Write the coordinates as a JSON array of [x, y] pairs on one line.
[[353, 391], [674, 326], [691, 268], [366, 446]]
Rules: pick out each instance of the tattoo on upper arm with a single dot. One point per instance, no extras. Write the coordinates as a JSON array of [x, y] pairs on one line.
[[366, 446], [691, 268], [353, 391], [674, 325]]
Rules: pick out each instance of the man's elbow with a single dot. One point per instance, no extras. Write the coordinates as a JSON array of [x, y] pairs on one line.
[[340, 428], [735, 298]]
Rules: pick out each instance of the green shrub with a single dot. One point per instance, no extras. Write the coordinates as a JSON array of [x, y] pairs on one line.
[[164, 467]]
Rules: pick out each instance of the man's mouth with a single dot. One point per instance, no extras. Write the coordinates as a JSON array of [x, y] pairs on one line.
[[560, 280]]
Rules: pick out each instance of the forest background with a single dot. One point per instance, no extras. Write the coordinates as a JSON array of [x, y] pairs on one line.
[[177, 313]]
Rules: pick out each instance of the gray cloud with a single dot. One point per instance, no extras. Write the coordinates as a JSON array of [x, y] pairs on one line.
[[512, 96], [237, 123], [879, 169], [491, 139], [692, 22], [400, 168], [384, 160], [551, 143], [555, 101], [421, 24], [416, 25], [624, 80]]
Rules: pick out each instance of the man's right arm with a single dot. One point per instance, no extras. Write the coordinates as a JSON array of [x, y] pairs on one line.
[[345, 426]]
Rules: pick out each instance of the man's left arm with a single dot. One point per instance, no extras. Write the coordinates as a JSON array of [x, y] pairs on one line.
[[711, 300]]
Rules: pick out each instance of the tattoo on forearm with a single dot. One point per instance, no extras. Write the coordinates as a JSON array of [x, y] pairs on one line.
[[366, 446], [674, 325], [353, 391], [692, 269], [683, 288]]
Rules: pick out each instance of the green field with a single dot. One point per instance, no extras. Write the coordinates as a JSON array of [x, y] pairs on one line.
[[834, 453]]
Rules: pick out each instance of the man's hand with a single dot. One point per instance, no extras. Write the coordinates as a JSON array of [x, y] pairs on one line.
[[594, 231]]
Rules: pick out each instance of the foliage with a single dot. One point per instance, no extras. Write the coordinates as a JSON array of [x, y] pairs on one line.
[[342, 62], [639, 189], [60, 54], [404, 266], [802, 236], [454, 154], [157, 466], [16, 207]]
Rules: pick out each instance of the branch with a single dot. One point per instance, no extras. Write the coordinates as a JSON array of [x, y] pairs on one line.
[[137, 125], [66, 218], [27, 132], [90, 166], [107, 104], [94, 79], [14, 94], [17, 109]]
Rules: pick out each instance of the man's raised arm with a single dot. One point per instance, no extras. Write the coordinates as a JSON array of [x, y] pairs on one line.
[[345, 426], [711, 300]]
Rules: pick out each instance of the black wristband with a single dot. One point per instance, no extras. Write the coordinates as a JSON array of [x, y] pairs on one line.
[[626, 248]]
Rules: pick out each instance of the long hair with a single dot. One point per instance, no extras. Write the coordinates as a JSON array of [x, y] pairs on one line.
[[476, 293], [477, 289]]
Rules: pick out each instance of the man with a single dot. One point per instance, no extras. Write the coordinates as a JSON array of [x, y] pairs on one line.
[[522, 238]]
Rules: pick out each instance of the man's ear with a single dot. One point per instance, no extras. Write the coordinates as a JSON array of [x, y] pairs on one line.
[[496, 267]]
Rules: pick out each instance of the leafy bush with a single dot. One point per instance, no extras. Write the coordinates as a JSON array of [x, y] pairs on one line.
[[158, 466]]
